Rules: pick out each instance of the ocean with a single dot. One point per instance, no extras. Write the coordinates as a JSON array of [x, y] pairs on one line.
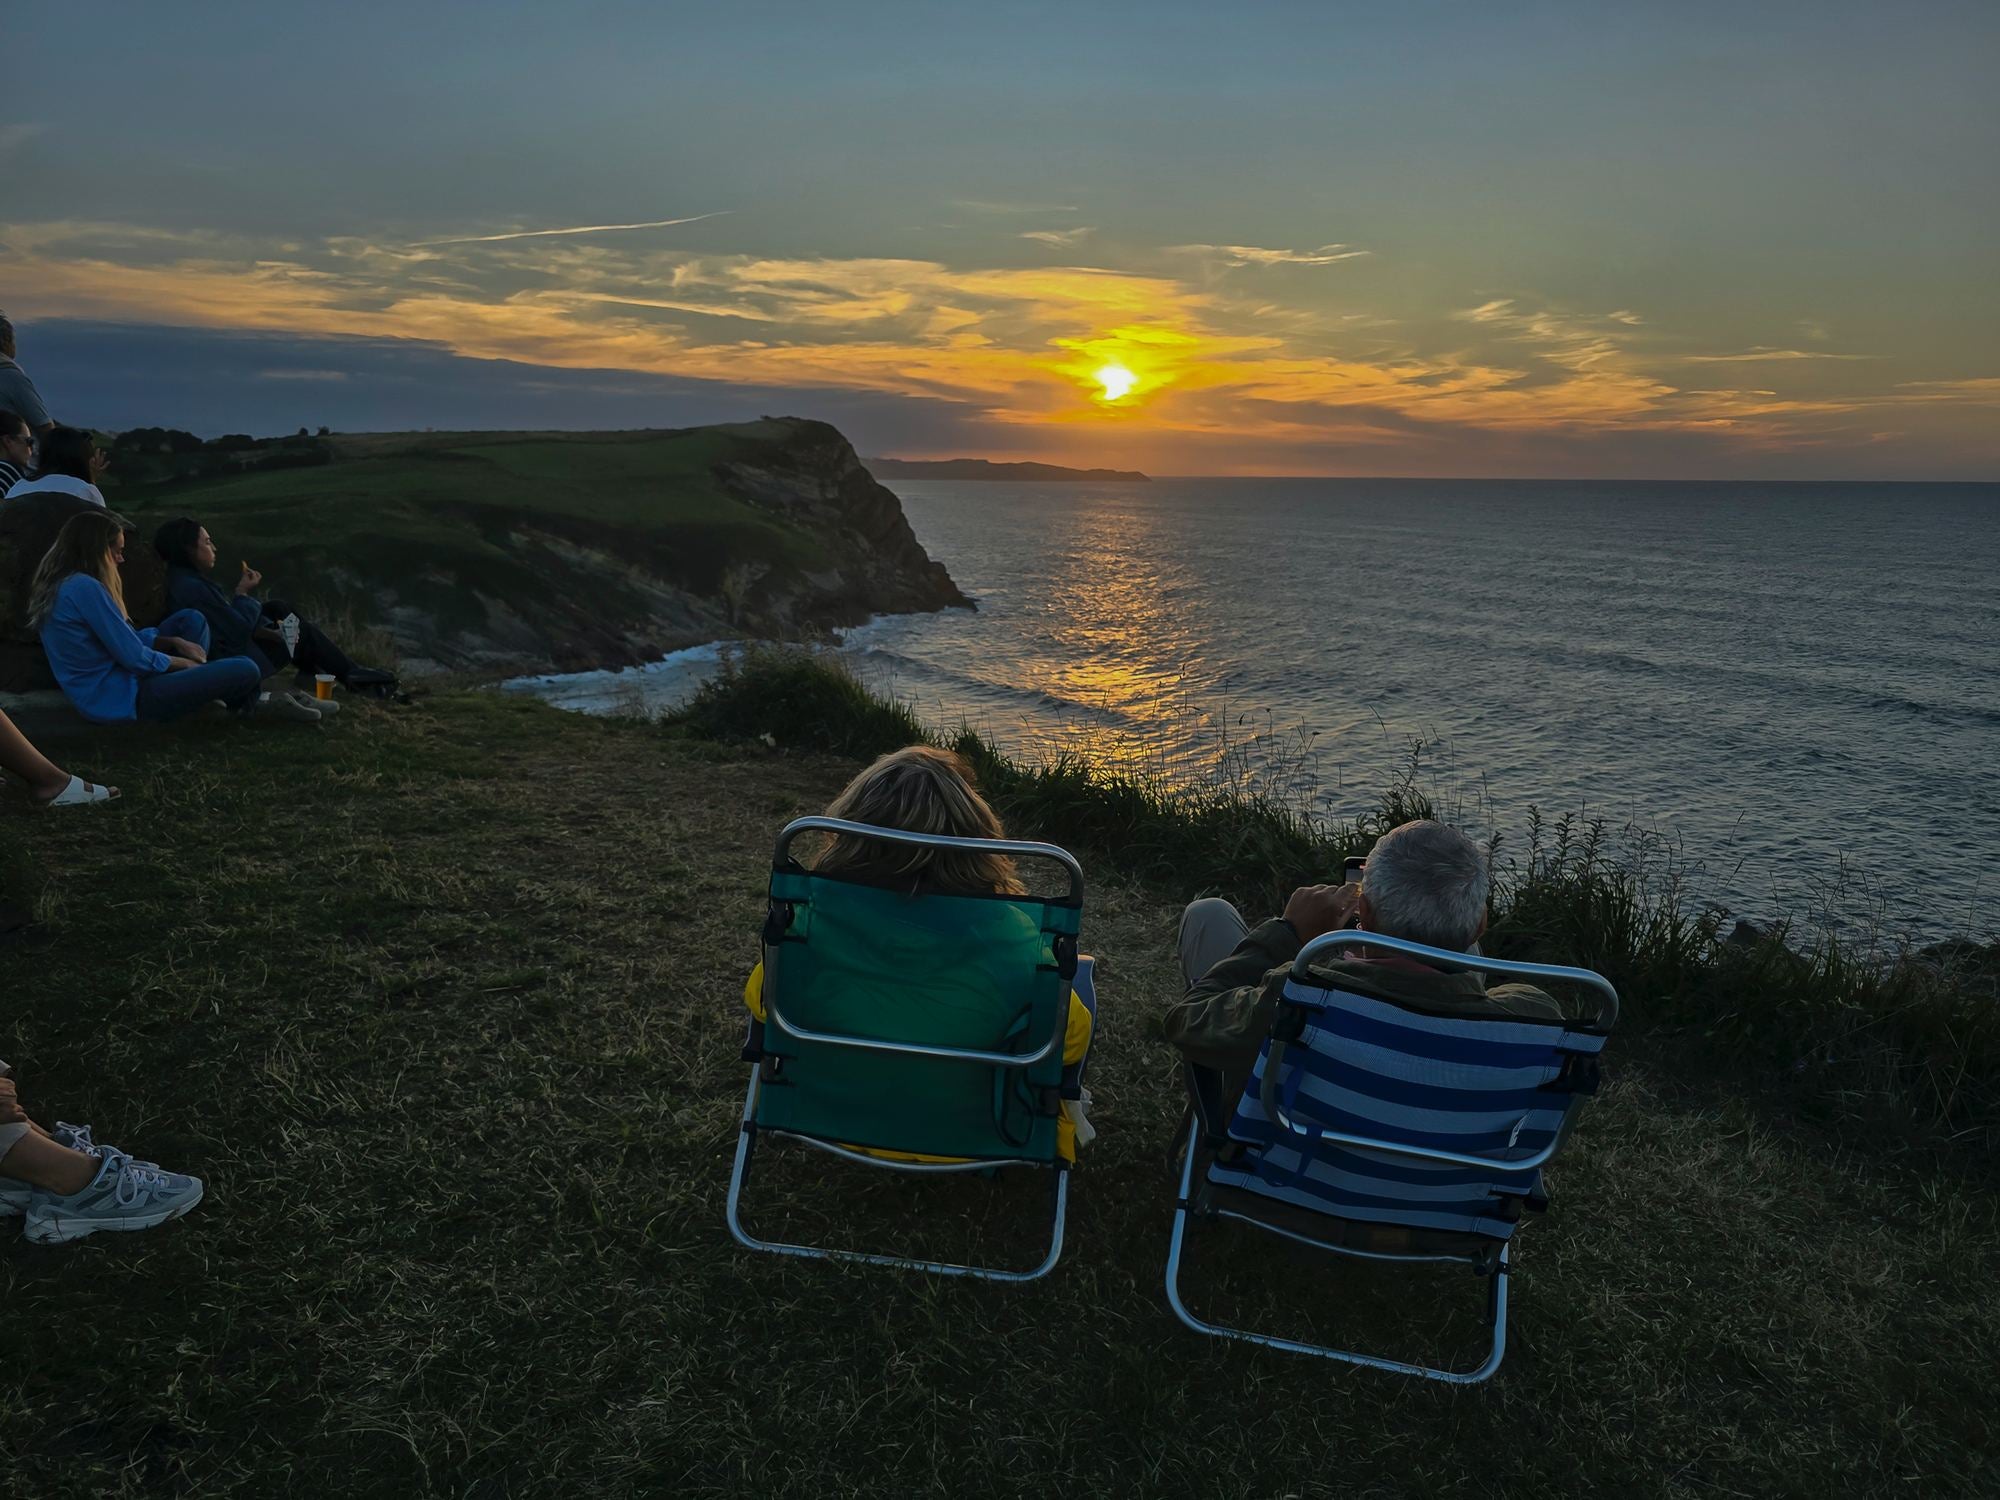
[[1796, 686]]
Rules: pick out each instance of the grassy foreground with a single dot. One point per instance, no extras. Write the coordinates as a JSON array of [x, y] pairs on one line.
[[442, 1001]]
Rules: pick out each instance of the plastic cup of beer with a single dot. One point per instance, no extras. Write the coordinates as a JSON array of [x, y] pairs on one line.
[[323, 684]]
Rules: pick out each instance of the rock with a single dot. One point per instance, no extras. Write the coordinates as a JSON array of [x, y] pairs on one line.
[[1749, 934], [28, 528]]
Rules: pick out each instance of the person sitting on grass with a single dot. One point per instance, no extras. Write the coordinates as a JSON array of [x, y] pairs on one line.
[[268, 632], [71, 464], [48, 783], [110, 672], [1424, 882], [924, 790], [17, 450], [67, 1186]]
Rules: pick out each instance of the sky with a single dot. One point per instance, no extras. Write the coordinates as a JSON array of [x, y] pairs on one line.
[[1674, 241]]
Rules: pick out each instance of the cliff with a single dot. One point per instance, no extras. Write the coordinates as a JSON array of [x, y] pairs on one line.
[[541, 552]]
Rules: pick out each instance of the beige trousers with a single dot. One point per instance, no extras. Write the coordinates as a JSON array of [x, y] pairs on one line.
[[1210, 930]]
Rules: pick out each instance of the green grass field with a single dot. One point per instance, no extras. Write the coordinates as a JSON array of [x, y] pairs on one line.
[[439, 517], [443, 1002]]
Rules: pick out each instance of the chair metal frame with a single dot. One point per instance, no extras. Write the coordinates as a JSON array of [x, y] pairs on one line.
[[1496, 1313], [746, 1139]]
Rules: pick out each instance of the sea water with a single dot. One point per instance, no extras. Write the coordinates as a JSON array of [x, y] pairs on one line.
[[1797, 684]]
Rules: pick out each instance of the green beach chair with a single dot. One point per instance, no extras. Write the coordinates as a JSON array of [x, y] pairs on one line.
[[924, 1025]]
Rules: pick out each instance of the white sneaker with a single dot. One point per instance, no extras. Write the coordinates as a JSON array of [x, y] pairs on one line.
[[326, 708], [282, 708], [123, 1196]]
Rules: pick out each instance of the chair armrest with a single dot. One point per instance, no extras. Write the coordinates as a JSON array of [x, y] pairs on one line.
[[914, 1049]]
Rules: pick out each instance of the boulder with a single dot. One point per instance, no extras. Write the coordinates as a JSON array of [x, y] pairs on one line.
[[28, 528]]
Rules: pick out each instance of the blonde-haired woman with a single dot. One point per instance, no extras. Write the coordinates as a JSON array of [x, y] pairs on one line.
[[921, 789], [112, 673]]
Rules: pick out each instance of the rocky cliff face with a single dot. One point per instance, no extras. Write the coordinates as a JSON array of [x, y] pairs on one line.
[[571, 592], [815, 481]]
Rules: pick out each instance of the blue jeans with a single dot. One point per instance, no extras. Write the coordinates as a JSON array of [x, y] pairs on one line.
[[168, 695]]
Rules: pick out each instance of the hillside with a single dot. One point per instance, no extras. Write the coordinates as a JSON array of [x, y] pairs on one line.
[[982, 468], [530, 552]]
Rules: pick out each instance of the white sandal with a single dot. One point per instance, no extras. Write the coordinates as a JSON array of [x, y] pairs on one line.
[[79, 792]]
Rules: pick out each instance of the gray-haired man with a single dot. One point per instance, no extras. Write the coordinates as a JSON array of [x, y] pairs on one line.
[[1425, 882], [17, 391]]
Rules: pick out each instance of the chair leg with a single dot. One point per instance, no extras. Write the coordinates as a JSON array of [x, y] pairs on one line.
[[740, 1175], [1496, 1305]]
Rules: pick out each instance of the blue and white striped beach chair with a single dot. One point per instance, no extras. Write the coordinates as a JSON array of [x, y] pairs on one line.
[[1371, 1113]]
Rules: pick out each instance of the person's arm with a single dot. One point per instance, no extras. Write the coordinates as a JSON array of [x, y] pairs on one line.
[[245, 601], [27, 403], [1226, 1014], [230, 632], [115, 633]]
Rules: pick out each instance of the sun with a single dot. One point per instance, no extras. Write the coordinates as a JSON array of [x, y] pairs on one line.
[[1116, 380]]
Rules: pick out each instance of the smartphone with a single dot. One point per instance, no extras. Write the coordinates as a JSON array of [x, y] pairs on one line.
[[1355, 865]]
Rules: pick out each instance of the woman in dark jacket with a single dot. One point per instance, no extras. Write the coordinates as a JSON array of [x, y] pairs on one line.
[[268, 631]]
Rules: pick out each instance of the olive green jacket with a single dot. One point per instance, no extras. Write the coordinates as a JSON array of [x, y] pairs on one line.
[[1223, 1019]]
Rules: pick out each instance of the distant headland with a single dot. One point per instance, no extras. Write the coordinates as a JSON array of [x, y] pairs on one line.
[[980, 468]]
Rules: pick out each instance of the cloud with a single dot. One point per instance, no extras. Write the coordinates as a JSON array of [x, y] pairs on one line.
[[991, 206], [1979, 391], [1256, 255], [18, 134], [328, 375], [1761, 354], [1060, 238], [536, 234]]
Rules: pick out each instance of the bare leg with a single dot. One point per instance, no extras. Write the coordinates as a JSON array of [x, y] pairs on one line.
[[44, 777], [41, 1163]]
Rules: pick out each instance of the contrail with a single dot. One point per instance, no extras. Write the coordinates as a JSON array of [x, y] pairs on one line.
[[531, 234]]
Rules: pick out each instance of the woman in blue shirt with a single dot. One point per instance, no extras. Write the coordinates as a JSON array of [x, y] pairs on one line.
[[112, 673]]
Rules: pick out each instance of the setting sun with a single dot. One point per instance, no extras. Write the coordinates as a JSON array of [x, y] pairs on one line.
[[1116, 380]]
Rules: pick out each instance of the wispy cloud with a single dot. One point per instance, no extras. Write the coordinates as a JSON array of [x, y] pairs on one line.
[[1001, 206], [1761, 354], [1981, 390], [537, 234], [1258, 255], [1059, 238], [18, 134]]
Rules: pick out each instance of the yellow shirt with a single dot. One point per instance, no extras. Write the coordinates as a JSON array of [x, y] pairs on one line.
[[1076, 1042]]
